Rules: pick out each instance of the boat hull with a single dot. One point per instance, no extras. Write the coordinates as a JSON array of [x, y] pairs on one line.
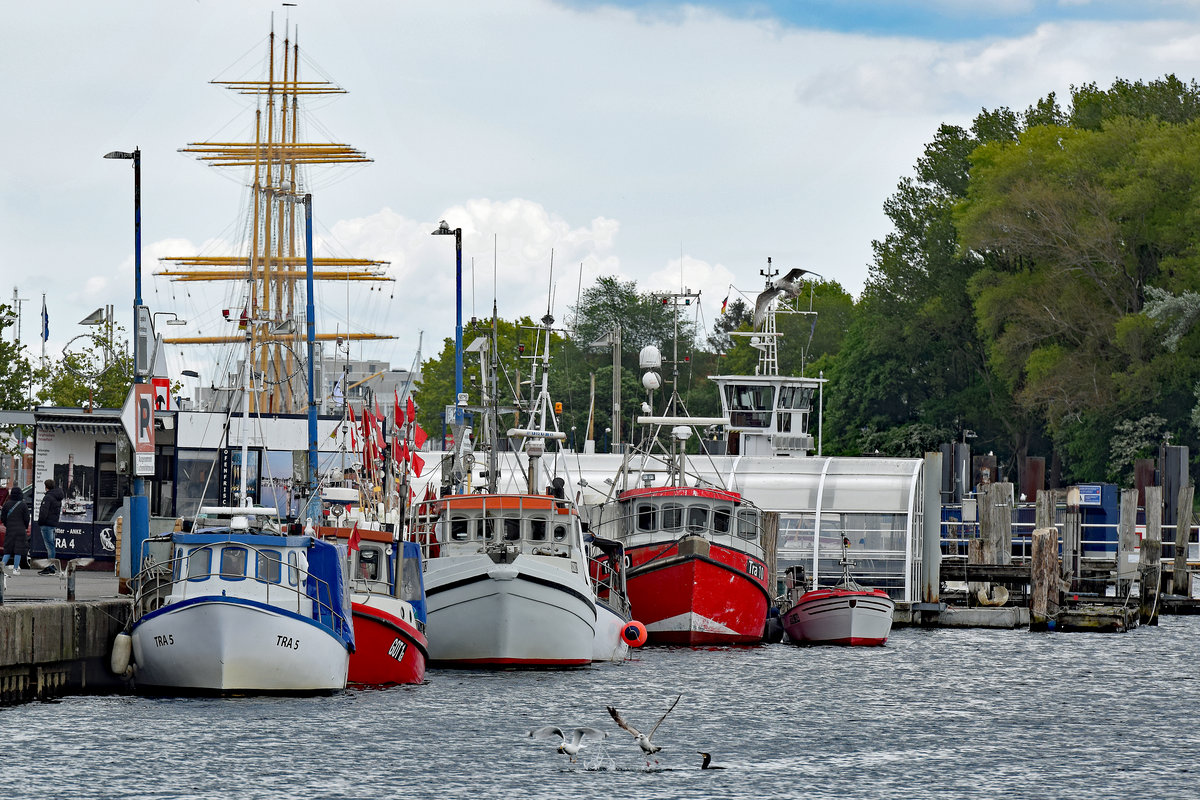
[[519, 614], [223, 644], [610, 644], [388, 647], [838, 616], [697, 598]]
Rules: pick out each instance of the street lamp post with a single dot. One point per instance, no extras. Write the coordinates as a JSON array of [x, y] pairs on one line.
[[445, 230], [139, 504]]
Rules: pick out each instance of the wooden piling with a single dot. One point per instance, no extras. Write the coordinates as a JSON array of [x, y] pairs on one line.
[[996, 524], [1150, 564], [770, 540], [1180, 583], [1127, 542], [1045, 598], [1072, 546]]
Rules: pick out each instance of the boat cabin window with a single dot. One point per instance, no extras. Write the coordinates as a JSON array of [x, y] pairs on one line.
[[199, 563], [370, 561], [560, 533], [747, 524], [537, 530], [645, 517], [293, 568], [750, 406], [233, 563], [798, 398], [460, 529], [512, 529], [783, 423], [721, 520], [176, 563], [487, 530], [697, 518], [269, 569], [672, 517]]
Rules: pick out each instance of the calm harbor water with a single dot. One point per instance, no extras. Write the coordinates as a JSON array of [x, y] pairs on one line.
[[934, 714]]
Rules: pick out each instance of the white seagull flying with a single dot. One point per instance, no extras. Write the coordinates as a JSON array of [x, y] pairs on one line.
[[643, 739], [576, 742], [787, 286]]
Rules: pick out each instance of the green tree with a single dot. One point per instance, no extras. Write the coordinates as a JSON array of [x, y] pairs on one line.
[[15, 376], [96, 373]]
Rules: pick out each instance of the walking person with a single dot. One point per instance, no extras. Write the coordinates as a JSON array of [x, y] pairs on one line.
[[48, 514], [15, 516]]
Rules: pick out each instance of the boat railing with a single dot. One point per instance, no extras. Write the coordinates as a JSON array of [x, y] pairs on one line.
[[1098, 542], [165, 580]]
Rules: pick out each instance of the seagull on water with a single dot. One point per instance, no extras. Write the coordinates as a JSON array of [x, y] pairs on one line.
[[707, 761], [643, 739], [573, 745], [788, 286]]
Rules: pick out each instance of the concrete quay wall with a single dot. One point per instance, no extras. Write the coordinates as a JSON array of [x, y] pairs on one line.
[[56, 648]]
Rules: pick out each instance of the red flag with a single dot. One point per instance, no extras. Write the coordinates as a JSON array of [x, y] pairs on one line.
[[354, 537], [418, 464], [412, 410], [403, 451], [353, 437], [398, 419], [419, 436]]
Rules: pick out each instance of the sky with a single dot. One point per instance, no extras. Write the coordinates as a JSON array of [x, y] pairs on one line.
[[672, 144]]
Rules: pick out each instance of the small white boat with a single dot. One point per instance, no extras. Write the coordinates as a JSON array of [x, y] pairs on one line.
[[234, 608], [847, 613]]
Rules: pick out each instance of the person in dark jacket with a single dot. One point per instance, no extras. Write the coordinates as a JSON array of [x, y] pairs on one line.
[[15, 516], [48, 514]]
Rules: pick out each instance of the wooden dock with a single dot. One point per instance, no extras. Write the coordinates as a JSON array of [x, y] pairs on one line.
[[49, 646]]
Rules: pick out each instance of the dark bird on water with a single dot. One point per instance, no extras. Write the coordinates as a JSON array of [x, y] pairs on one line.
[[788, 287], [708, 762], [571, 746], [643, 739]]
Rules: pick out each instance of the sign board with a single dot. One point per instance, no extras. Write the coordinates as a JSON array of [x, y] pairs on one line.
[[162, 393], [137, 416], [1089, 494]]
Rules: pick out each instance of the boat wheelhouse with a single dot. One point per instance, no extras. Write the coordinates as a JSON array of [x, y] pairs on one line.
[[231, 608]]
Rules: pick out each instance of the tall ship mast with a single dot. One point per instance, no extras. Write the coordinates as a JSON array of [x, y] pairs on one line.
[[278, 163]]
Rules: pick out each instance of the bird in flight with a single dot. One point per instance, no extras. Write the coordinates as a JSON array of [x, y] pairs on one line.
[[571, 746], [644, 740], [788, 286]]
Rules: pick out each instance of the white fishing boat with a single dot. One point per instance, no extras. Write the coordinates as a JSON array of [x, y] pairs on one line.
[[506, 574], [506, 581], [238, 606]]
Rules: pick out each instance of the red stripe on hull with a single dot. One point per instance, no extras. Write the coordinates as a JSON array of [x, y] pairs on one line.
[[712, 599], [387, 650]]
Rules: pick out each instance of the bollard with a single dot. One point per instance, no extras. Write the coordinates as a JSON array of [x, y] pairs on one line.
[[71, 580]]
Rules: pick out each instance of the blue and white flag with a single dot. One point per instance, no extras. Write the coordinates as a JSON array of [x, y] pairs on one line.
[[45, 320]]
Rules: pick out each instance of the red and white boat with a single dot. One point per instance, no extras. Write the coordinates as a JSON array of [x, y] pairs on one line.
[[847, 613], [387, 600], [696, 571]]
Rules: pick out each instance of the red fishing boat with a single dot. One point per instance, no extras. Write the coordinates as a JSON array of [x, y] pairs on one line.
[[388, 607], [696, 571]]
